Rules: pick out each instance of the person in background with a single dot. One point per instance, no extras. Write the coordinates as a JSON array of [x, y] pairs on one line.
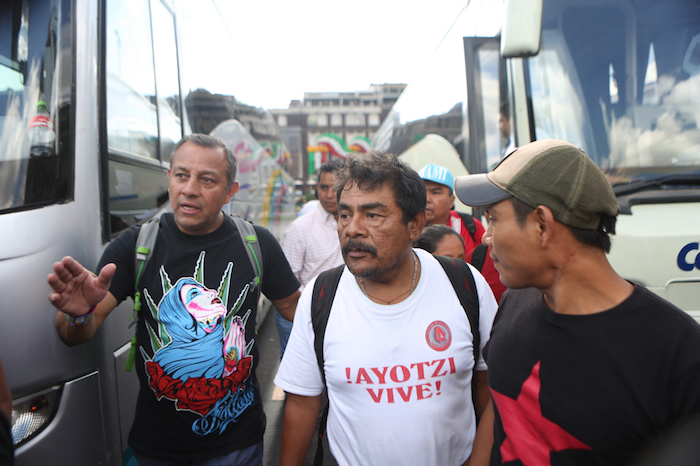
[[441, 240], [196, 356], [439, 210], [507, 139], [311, 242], [398, 378], [585, 367], [308, 207]]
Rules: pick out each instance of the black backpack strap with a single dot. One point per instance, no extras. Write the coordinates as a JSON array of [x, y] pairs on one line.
[[469, 224], [464, 285], [321, 302], [318, 458], [479, 256]]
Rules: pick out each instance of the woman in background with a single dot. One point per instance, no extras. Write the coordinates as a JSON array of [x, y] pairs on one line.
[[441, 240]]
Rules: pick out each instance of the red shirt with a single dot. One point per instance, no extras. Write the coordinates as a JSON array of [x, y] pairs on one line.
[[488, 270]]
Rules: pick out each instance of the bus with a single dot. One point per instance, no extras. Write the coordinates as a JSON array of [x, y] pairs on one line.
[[92, 102], [618, 78]]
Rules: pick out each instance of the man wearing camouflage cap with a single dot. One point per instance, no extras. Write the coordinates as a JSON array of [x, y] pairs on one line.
[[584, 366]]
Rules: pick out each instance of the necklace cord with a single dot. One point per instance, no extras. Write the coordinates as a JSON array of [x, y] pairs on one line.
[[413, 284]]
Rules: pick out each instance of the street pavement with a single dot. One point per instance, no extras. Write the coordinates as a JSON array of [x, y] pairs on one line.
[[273, 397]]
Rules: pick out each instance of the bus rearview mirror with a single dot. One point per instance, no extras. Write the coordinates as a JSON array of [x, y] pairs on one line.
[[522, 28]]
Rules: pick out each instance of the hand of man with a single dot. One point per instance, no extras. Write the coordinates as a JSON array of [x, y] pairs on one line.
[[75, 288]]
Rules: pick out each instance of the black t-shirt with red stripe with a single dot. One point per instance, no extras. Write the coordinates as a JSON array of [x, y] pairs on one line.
[[589, 389]]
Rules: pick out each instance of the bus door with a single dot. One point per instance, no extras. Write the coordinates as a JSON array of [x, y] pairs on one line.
[[144, 120], [144, 107], [488, 107]]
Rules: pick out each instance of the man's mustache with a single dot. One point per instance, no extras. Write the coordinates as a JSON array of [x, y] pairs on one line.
[[354, 245]]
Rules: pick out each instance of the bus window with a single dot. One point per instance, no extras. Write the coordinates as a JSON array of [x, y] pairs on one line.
[[132, 123], [618, 81], [489, 122], [489, 85], [36, 73], [143, 107], [168, 84], [559, 107]]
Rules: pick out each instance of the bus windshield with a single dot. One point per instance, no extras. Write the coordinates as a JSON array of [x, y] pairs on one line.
[[36, 72], [622, 81]]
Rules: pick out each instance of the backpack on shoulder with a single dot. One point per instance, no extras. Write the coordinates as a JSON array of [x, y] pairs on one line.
[[479, 254], [144, 245], [325, 287]]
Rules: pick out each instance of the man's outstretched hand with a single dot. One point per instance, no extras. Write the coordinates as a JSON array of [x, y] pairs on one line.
[[75, 288]]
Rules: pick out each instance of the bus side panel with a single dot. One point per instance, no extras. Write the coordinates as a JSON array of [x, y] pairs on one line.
[[85, 429], [71, 439], [651, 245]]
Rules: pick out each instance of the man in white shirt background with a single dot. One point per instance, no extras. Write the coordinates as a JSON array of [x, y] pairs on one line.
[[311, 242]]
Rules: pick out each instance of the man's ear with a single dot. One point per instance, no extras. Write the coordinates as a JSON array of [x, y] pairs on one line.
[[545, 224], [232, 191], [416, 225]]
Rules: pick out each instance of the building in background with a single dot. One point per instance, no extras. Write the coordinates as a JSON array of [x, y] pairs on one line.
[[291, 135], [206, 111], [333, 123]]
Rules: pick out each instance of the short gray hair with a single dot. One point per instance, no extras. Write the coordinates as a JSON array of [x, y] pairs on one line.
[[210, 142]]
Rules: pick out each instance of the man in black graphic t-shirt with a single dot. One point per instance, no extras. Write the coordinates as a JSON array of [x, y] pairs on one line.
[[196, 353], [584, 367]]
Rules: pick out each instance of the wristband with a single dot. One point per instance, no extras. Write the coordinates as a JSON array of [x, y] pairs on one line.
[[80, 320]]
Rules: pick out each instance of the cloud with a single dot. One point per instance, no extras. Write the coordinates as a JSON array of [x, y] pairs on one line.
[[268, 52]]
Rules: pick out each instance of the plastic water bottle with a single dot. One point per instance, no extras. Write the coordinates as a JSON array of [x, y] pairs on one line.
[[42, 132]]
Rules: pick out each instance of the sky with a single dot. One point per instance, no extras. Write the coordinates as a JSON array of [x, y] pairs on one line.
[[268, 52]]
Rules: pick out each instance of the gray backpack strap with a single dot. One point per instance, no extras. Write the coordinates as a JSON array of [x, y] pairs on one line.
[[144, 245], [252, 248]]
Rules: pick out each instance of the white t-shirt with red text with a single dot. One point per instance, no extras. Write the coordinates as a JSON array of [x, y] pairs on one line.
[[399, 376]]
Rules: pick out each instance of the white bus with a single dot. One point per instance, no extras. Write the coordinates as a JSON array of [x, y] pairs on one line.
[[99, 84], [618, 78]]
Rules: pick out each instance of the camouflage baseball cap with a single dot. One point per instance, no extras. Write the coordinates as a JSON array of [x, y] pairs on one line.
[[551, 173]]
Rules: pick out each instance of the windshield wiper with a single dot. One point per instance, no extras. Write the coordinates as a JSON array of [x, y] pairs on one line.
[[662, 190], [662, 182]]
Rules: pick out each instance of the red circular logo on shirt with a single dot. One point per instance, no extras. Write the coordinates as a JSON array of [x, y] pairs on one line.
[[438, 336]]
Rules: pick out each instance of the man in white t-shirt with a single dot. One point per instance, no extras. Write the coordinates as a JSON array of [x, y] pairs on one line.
[[398, 347], [311, 242]]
